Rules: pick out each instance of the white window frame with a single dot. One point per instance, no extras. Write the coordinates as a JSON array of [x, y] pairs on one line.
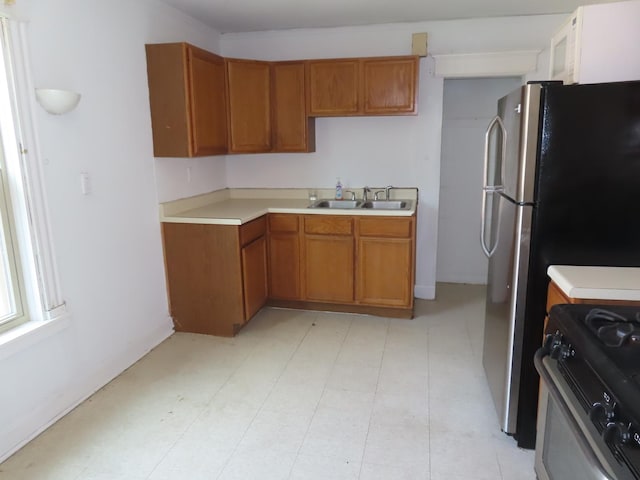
[[24, 184], [10, 256]]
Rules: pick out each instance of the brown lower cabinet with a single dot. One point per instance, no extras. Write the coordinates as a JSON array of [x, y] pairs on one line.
[[385, 271], [219, 276], [216, 275], [329, 254], [351, 263]]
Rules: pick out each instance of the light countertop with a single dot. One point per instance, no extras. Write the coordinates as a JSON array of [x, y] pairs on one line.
[[238, 206], [604, 283]]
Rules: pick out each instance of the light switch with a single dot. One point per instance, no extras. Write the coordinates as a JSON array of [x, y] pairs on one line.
[[85, 183]]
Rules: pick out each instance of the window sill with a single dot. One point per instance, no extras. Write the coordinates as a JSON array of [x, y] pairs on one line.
[[30, 333]]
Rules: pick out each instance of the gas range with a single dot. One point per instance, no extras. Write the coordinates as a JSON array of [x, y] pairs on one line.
[[596, 350]]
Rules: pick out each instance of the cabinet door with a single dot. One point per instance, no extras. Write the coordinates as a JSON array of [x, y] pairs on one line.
[[254, 275], [284, 265], [329, 268], [389, 85], [384, 271], [333, 87], [208, 103], [293, 130], [284, 256], [249, 106]]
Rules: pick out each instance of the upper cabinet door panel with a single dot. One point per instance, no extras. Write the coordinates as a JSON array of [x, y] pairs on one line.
[[208, 103], [389, 85], [293, 130], [333, 87], [249, 101], [362, 86]]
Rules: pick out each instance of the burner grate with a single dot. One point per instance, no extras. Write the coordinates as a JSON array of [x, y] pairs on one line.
[[613, 329]]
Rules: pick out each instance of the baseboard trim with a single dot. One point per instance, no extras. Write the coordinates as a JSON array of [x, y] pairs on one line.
[[426, 292]]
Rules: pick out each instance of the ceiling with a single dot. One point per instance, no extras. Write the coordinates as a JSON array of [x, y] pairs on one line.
[[254, 15]]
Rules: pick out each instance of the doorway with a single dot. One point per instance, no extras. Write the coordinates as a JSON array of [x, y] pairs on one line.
[[469, 105]]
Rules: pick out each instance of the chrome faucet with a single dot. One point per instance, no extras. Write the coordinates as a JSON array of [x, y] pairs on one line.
[[376, 194], [365, 193], [352, 193], [387, 190]]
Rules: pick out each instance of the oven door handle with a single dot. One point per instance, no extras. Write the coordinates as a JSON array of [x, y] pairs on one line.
[[594, 462]]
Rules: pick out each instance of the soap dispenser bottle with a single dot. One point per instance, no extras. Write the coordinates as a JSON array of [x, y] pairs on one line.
[[338, 189]]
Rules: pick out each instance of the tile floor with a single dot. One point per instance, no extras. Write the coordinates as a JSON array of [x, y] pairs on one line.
[[297, 395]]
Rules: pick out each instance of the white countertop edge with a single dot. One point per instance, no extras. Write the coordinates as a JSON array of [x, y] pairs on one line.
[[345, 211], [204, 221], [185, 218], [597, 282], [606, 294]]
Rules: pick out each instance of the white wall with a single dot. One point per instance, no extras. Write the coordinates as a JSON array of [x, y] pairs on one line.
[[107, 244], [469, 106], [403, 151]]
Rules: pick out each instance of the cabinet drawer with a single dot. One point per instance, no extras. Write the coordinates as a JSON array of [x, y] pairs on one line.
[[282, 222], [252, 230], [385, 227], [326, 225]]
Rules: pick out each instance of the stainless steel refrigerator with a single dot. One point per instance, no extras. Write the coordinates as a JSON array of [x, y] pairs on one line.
[[561, 186]]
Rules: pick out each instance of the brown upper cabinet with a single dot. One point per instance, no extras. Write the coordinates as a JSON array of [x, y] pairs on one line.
[[249, 106], [293, 130], [203, 104], [362, 86], [333, 86], [389, 85], [188, 102], [266, 108]]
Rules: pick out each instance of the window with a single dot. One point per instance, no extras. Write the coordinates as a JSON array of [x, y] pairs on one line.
[[12, 308], [29, 290]]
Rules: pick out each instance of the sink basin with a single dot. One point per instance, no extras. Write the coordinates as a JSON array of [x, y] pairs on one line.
[[336, 204], [387, 205]]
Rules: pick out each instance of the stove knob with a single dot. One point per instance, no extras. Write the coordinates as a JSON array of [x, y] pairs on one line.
[[602, 412], [552, 340], [616, 432], [560, 351]]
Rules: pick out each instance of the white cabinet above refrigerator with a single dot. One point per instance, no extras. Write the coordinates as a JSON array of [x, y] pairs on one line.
[[598, 43]]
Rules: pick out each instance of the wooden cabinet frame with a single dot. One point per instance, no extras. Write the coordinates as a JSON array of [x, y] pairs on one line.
[[216, 275], [187, 100], [325, 262], [203, 104], [362, 86]]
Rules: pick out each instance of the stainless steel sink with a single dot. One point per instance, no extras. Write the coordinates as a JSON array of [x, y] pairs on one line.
[[387, 205], [336, 204]]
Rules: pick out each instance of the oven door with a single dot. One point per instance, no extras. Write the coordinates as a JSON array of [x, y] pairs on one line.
[[568, 445]]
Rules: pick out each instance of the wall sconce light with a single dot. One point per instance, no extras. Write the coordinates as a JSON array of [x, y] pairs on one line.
[[57, 101]]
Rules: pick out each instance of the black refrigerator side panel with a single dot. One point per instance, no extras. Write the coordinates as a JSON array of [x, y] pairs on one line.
[[587, 194]]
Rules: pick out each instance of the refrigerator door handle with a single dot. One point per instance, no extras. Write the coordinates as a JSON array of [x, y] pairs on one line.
[[488, 252], [491, 189]]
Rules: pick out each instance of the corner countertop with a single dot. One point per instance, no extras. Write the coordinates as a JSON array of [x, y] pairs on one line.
[[602, 283], [239, 206]]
